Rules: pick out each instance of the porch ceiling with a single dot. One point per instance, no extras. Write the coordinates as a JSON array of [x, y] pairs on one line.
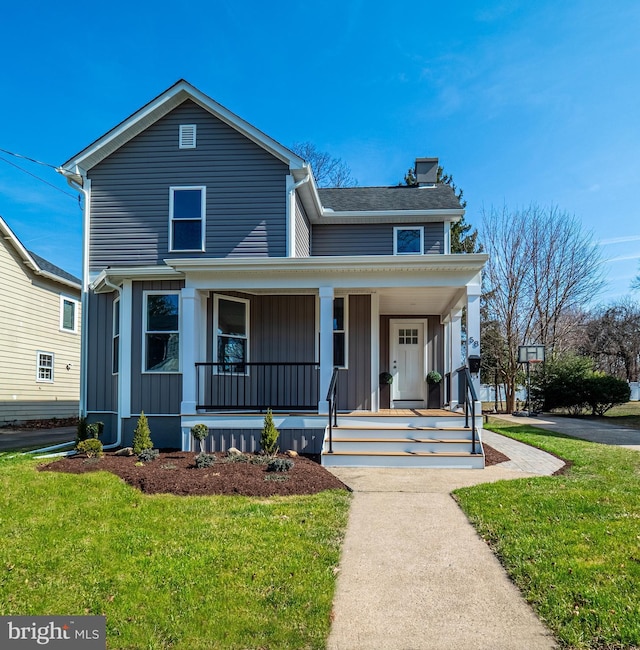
[[420, 301]]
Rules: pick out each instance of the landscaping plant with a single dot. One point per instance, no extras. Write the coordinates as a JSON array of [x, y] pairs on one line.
[[200, 433], [269, 437], [92, 447], [142, 435]]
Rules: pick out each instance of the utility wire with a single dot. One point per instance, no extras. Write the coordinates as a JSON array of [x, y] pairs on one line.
[[55, 187], [33, 160]]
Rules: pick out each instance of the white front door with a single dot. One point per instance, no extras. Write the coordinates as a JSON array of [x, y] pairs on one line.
[[407, 363]]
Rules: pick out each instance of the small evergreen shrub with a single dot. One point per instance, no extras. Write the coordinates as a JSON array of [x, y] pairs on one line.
[[81, 432], [260, 459], [279, 465], [200, 433], [142, 436], [147, 455], [204, 460], [603, 392], [94, 430], [434, 377], [236, 458], [92, 447], [269, 436]]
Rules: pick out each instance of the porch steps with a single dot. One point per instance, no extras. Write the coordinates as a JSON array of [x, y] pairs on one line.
[[402, 442]]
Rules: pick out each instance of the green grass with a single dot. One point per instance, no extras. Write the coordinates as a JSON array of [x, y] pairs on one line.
[[571, 543], [169, 572]]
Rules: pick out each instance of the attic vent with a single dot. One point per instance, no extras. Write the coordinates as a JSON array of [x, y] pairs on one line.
[[187, 136]]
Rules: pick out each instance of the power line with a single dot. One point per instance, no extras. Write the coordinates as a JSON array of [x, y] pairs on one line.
[[33, 160], [55, 187]]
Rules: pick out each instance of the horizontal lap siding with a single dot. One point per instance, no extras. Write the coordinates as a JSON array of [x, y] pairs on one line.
[[245, 201], [369, 238]]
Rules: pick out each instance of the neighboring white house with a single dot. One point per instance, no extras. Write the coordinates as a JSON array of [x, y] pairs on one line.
[[39, 335]]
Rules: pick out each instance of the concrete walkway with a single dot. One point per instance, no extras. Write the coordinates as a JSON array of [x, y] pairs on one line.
[[415, 575], [592, 430]]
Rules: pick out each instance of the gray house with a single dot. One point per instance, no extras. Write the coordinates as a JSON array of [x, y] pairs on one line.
[[219, 281]]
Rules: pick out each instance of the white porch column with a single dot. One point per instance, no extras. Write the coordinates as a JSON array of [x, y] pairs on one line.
[[473, 327], [375, 352], [191, 326], [326, 346], [455, 353]]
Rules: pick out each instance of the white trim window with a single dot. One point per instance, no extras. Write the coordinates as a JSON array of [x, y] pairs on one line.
[[231, 333], [44, 361], [187, 209], [187, 139], [340, 318], [408, 240], [68, 315], [115, 343], [161, 332]]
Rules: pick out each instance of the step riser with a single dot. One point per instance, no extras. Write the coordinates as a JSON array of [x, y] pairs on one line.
[[402, 434], [329, 460], [401, 445], [417, 421]]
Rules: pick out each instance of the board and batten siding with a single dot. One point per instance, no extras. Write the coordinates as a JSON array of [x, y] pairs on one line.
[[30, 308], [369, 238], [303, 231], [245, 193]]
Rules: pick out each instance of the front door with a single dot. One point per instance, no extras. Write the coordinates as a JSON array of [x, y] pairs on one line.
[[407, 363]]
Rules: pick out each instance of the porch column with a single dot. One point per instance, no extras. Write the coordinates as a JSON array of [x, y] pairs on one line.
[[190, 334], [455, 352], [326, 346], [473, 327]]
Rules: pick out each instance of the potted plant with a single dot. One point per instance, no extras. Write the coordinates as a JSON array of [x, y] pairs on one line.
[[386, 378], [434, 378]]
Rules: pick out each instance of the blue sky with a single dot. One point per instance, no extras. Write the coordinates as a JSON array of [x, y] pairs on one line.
[[523, 102]]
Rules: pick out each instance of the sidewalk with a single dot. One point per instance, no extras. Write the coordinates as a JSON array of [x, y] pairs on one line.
[[591, 430], [414, 574]]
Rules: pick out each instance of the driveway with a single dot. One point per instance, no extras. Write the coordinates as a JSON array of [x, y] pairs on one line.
[[11, 439]]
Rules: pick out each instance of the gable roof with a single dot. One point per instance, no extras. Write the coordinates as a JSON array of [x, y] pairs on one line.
[[38, 264], [161, 106], [399, 197]]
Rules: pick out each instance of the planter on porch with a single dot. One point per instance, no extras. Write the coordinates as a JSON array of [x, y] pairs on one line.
[[434, 384]]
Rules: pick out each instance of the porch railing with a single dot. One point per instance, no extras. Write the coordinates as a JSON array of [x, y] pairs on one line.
[[257, 386], [332, 398], [468, 390]]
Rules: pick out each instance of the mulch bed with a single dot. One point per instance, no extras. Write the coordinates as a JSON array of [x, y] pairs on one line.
[[174, 472]]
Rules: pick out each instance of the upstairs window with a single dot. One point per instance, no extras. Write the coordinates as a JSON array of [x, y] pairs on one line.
[[45, 367], [186, 218], [408, 241], [68, 314], [161, 332], [187, 138], [232, 334]]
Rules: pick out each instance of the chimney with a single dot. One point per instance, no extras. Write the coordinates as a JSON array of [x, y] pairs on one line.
[[427, 171]]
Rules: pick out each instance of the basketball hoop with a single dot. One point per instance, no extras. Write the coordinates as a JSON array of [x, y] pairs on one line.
[[530, 354]]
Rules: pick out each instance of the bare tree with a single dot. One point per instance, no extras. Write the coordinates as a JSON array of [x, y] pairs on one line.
[[542, 268], [327, 170]]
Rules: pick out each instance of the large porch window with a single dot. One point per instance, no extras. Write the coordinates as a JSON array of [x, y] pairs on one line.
[[340, 332], [161, 332], [231, 329]]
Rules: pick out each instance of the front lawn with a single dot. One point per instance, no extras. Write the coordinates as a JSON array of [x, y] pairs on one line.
[[570, 543], [169, 572]]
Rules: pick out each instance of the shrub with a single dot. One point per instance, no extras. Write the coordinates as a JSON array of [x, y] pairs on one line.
[[205, 460], [269, 436], [434, 377], [94, 430], [81, 432], [92, 447], [279, 465], [147, 455], [142, 435], [200, 433], [603, 392], [560, 384], [236, 458], [85, 430]]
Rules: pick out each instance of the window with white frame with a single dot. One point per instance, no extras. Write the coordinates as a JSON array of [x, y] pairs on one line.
[[161, 332], [231, 329], [340, 332], [187, 138], [115, 343], [408, 240], [187, 206], [68, 314], [44, 367]]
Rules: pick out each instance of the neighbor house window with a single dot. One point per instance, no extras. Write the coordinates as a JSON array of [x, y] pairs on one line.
[[186, 218], [340, 332], [187, 136], [115, 344], [231, 333], [161, 332], [408, 241], [68, 314], [45, 367]]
